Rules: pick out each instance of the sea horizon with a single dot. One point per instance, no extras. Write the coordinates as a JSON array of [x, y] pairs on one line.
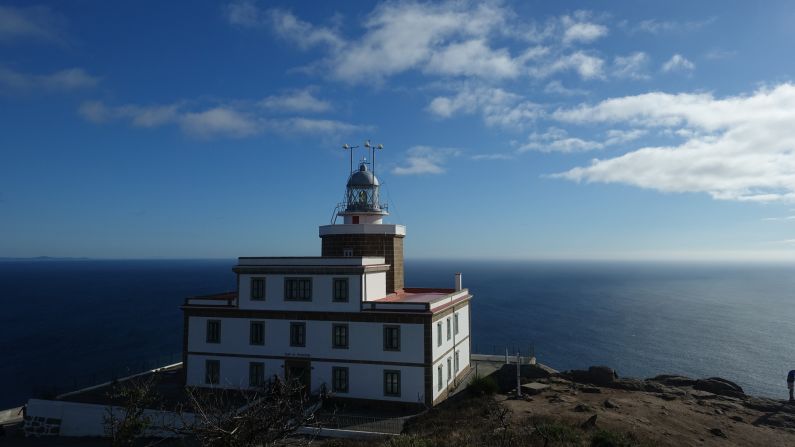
[[642, 319]]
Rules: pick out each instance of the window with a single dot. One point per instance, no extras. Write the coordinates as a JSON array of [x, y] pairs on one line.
[[449, 369], [391, 383], [257, 333], [213, 331], [298, 289], [448, 329], [439, 334], [340, 290], [348, 252], [455, 324], [297, 334], [439, 383], [212, 372], [339, 336], [456, 362], [339, 379], [257, 289], [256, 374], [391, 338]]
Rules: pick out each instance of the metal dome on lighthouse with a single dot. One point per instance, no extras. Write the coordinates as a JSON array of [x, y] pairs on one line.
[[362, 196]]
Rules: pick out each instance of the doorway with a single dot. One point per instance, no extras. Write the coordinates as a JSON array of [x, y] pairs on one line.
[[300, 370]]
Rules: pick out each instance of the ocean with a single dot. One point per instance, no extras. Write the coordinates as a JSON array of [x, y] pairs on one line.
[[67, 324]]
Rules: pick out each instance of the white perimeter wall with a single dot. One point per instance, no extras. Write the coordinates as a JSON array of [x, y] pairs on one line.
[[365, 381]]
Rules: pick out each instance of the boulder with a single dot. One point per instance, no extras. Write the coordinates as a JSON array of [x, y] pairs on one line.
[[589, 389], [717, 432], [628, 384], [582, 408], [720, 386], [534, 388], [602, 375], [597, 375], [673, 380], [609, 403]]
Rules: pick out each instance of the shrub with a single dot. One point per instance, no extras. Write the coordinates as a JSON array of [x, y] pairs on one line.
[[558, 434], [407, 441], [607, 438], [483, 386]]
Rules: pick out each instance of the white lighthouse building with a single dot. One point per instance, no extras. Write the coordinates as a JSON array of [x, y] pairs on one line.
[[342, 320]]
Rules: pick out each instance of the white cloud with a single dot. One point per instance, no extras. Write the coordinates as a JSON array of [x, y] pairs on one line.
[[232, 120], [37, 23], [736, 148], [139, 116], [291, 28], [615, 136], [219, 121], [679, 63], [556, 87], [578, 29], [498, 107], [631, 66], [68, 79], [479, 157], [779, 218], [587, 66], [558, 140], [425, 160], [295, 101], [654, 26], [473, 58]]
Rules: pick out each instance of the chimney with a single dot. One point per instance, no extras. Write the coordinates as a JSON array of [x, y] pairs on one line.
[[458, 282]]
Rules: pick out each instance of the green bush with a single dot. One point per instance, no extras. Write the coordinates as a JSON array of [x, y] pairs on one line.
[[407, 441], [607, 438], [558, 434], [483, 386]]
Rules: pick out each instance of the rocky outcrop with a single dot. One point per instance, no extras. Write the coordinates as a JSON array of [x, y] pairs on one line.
[[717, 385], [596, 375]]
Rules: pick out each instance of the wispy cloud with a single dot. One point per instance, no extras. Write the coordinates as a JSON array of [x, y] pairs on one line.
[[479, 157], [556, 87], [631, 66], [579, 28], [588, 66], [497, 106], [735, 148], [425, 160], [232, 119], [295, 101], [33, 23], [779, 218], [678, 63], [655, 26], [62, 80]]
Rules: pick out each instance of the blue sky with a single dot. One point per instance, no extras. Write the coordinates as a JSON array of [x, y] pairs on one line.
[[545, 130]]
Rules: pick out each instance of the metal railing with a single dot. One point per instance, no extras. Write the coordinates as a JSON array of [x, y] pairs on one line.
[[355, 422]]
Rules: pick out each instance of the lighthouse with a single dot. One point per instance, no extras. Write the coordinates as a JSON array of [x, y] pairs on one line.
[[363, 231], [342, 323]]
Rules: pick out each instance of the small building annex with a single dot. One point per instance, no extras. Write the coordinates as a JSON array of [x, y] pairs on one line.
[[343, 321]]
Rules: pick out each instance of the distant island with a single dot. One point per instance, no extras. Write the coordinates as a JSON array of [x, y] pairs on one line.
[[42, 258]]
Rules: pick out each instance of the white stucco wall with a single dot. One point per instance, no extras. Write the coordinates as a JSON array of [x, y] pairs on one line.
[[375, 286], [365, 381], [365, 340], [463, 332], [322, 293]]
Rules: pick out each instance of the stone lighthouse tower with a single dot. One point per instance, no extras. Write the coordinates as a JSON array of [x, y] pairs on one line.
[[363, 232]]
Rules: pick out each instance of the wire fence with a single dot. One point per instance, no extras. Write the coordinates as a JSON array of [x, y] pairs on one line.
[[524, 348], [356, 422]]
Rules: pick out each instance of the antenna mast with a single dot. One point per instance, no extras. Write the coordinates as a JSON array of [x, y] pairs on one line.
[[372, 151], [350, 148]]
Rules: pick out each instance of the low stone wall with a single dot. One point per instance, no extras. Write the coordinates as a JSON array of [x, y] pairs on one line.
[[42, 426]]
